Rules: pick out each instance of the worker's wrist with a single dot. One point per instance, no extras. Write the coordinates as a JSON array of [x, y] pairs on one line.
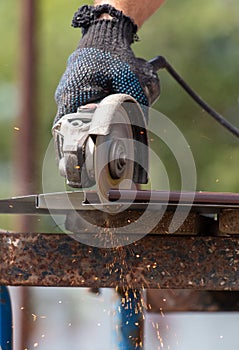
[[104, 26]]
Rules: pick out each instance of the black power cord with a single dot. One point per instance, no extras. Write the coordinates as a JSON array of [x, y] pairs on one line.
[[160, 62]]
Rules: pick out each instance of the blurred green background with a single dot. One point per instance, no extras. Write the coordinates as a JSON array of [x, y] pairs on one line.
[[200, 39]]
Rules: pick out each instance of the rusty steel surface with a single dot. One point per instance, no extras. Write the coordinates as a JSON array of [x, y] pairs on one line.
[[161, 262]]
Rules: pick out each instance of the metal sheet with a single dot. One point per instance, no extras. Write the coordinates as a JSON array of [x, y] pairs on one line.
[[18, 205], [63, 202]]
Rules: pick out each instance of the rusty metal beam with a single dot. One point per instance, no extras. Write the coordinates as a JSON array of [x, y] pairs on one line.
[[156, 261], [229, 221]]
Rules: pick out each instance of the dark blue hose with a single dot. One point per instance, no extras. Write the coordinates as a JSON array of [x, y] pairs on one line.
[[131, 317], [5, 319]]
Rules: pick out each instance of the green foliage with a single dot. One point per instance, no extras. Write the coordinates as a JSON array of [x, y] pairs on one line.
[[200, 39]]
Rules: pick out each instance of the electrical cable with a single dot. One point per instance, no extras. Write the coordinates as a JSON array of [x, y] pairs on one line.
[[160, 62]]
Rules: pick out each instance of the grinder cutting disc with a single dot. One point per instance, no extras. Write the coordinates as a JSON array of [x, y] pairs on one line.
[[114, 156]]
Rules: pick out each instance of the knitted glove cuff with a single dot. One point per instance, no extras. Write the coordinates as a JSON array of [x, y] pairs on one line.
[[104, 33]]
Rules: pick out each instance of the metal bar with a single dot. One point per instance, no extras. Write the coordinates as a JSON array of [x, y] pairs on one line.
[[5, 319], [156, 261], [216, 198]]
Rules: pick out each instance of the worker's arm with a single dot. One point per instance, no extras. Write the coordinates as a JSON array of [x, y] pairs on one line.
[[104, 62], [139, 10]]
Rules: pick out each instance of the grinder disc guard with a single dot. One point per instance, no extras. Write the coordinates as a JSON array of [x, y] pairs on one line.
[[103, 144]]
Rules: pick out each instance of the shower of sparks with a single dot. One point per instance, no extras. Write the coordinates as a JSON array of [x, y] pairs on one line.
[[34, 317], [128, 275], [156, 327]]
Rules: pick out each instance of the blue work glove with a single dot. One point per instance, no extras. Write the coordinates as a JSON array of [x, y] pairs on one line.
[[104, 63]]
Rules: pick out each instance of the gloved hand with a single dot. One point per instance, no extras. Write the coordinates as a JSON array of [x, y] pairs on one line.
[[104, 63]]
